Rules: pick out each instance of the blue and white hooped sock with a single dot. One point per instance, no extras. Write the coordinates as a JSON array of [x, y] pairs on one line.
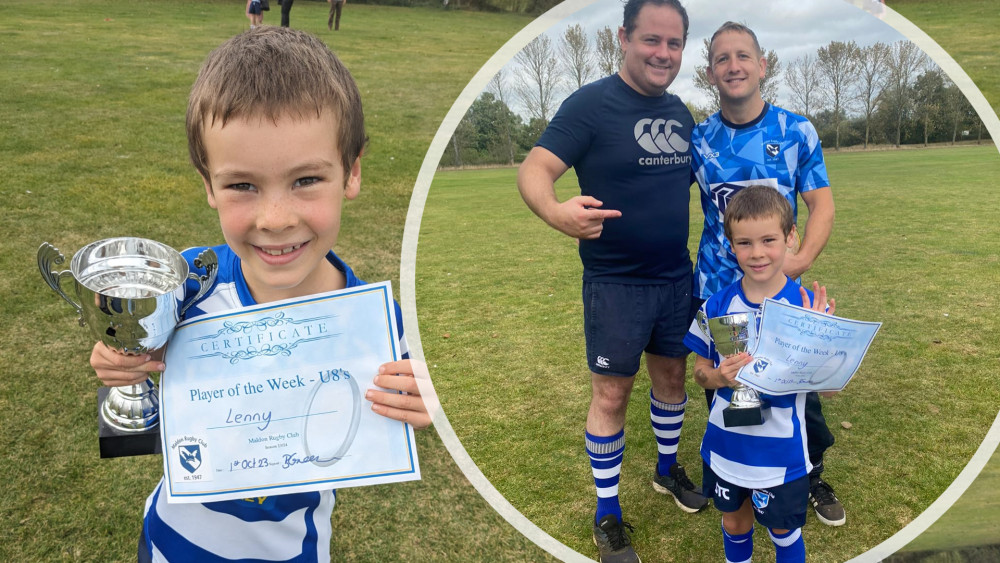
[[606, 453], [739, 548], [667, 419], [790, 547]]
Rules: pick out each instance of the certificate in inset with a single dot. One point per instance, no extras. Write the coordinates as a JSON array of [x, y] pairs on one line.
[[798, 350], [269, 399]]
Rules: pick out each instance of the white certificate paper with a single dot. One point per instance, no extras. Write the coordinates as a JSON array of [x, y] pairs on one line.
[[798, 350], [269, 399]]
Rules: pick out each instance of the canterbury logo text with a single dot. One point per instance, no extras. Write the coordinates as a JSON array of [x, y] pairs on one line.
[[657, 136]]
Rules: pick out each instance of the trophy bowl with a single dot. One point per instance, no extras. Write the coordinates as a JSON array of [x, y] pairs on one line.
[[731, 334], [130, 293]]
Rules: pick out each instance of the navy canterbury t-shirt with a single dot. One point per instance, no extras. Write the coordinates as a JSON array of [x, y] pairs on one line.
[[633, 153]]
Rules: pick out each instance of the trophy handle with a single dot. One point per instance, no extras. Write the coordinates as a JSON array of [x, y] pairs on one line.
[[703, 323], [47, 256], [210, 262]]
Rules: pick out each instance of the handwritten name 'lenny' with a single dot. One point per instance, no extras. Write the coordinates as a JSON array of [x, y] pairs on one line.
[[244, 418]]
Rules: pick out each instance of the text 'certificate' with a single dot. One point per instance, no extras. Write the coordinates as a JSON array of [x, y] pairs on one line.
[[269, 399]]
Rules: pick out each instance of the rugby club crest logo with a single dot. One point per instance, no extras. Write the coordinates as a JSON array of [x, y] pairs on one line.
[[190, 457], [761, 499], [772, 149]]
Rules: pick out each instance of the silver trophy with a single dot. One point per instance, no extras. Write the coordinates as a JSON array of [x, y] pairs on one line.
[[731, 336], [130, 292]]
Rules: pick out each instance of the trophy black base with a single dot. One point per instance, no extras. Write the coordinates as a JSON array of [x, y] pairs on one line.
[[745, 416], [115, 443]]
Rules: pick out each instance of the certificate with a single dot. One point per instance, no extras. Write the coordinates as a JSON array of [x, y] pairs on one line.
[[798, 350], [268, 400]]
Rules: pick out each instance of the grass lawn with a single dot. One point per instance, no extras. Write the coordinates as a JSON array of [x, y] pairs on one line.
[[499, 304], [92, 145]]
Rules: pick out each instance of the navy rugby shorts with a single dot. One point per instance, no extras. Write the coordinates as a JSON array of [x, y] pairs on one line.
[[621, 321]]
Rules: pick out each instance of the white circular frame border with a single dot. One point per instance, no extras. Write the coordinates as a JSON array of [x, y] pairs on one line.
[[407, 277]]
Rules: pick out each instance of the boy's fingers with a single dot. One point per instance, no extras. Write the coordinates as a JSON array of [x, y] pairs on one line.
[[397, 400], [399, 367], [405, 408], [415, 419], [397, 383]]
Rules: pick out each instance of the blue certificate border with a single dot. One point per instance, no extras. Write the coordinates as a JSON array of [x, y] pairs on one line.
[[390, 316]]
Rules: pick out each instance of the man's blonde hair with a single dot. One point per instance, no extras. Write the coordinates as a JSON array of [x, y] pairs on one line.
[[736, 28], [270, 73], [758, 202]]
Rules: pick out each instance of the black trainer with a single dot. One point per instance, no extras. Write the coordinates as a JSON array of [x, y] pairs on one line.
[[677, 484], [612, 541], [825, 502]]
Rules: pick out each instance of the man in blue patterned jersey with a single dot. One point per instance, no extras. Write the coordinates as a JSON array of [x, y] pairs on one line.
[[753, 142], [628, 140]]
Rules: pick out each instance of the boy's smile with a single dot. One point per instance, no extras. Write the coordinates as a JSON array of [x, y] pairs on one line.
[[278, 187], [760, 248]]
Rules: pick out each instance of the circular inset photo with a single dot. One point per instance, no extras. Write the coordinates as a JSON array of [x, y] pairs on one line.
[[592, 197]]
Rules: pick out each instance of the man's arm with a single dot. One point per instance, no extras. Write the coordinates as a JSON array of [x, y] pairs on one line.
[[578, 217], [817, 231]]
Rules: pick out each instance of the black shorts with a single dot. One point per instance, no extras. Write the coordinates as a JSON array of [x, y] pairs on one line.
[[783, 507], [621, 321]]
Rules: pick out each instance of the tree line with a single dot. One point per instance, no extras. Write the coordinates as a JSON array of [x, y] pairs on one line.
[[884, 94]]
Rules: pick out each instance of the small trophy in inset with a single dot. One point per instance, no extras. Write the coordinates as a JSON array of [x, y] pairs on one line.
[[731, 336], [130, 292]]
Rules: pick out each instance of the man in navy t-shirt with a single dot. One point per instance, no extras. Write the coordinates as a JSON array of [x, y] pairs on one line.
[[629, 142]]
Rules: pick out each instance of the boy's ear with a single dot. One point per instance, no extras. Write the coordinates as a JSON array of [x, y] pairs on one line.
[[352, 187], [208, 192], [792, 240]]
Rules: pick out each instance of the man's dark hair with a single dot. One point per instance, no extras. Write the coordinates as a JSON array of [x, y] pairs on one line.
[[632, 8]]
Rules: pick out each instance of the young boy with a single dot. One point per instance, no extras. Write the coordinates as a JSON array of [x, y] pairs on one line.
[[760, 471], [255, 11], [276, 131], [749, 141]]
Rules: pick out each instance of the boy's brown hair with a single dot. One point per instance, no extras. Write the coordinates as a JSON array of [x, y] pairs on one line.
[[269, 73], [758, 202]]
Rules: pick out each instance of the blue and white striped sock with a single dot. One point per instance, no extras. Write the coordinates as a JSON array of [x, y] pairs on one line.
[[667, 419], [606, 453], [790, 547], [739, 548]]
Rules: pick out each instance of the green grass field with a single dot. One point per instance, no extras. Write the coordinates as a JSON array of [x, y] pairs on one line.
[[92, 145], [500, 313]]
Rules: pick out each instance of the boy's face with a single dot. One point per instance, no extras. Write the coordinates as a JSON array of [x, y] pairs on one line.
[[760, 247], [652, 55], [737, 68], [278, 188]]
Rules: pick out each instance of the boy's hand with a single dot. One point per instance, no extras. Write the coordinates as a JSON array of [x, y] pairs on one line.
[[408, 408], [730, 366], [820, 305], [115, 369]]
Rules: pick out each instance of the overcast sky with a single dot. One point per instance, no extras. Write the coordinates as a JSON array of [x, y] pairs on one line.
[[792, 28]]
